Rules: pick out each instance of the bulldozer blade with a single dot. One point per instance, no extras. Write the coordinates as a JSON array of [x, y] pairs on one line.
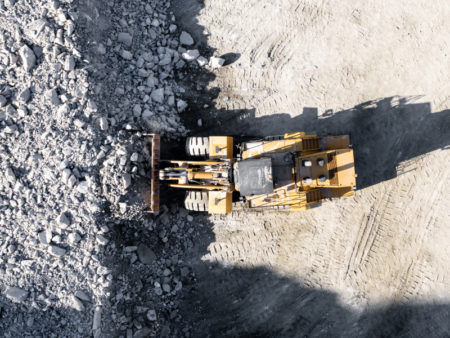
[[152, 149]]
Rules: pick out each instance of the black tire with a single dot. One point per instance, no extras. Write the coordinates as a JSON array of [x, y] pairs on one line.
[[274, 138], [197, 146], [196, 201]]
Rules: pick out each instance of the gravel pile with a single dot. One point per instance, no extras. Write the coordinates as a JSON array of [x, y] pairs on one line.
[[79, 84]]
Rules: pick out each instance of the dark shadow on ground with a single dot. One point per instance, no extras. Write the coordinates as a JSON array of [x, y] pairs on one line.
[[258, 302], [384, 132], [40, 320]]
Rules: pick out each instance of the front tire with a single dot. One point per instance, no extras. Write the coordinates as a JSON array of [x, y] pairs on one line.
[[196, 200], [197, 146]]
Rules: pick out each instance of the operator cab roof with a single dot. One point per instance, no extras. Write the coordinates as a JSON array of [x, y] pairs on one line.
[[255, 176]]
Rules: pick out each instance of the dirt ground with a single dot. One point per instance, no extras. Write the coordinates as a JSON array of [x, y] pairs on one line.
[[378, 71]]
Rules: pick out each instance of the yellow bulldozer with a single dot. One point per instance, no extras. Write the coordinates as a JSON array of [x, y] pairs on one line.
[[292, 172]]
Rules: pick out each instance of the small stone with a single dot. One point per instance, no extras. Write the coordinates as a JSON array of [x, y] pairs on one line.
[[125, 38], [201, 60], [151, 315], [199, 122], [137, 109], [61, 17], [56, 239], [82, 295], [66, 174], [11, 111], [91, 107], [147, 114], [10, 176], [72, 181], [126, 180], [73, 238], [134, 157], [59, 37], [70, 27], [122, 208], [216, 62], [167, 59], [181, 105], [69, 63], [78, 123], [186, 39], [22, 111], [191, 54], [103, 122], [24, 95], [158, 95], [97, 321], [83, 187], [63, 110], [30, 321], [56, 251], [145, 254], [52, 96], [2, 101], [130, 248], [166, 287], [126, 55], [76, 303], [189, 218], [172, 28], [102, 240], [45, 237], [16, 294], [101, 49], [151, 82], [63, 220], [28, 57]]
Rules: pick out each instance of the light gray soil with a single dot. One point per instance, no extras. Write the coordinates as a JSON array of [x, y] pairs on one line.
[[375, 264]]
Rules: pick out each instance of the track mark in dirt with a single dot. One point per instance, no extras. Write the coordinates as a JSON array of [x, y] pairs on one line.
[[248, 247]]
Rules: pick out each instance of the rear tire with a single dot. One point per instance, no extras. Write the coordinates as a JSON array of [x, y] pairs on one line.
[[274, 138], [196, 201], [197, 146]]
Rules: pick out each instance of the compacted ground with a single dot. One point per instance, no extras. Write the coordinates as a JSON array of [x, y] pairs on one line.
[[373, 264]]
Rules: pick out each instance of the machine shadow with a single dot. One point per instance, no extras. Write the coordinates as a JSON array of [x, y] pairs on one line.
[[259, 302], [385, 133]]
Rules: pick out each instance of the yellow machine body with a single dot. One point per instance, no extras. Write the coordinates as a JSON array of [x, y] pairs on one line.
[[290, 172]]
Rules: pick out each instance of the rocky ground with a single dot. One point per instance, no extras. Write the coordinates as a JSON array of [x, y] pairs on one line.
[[82, 81]]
